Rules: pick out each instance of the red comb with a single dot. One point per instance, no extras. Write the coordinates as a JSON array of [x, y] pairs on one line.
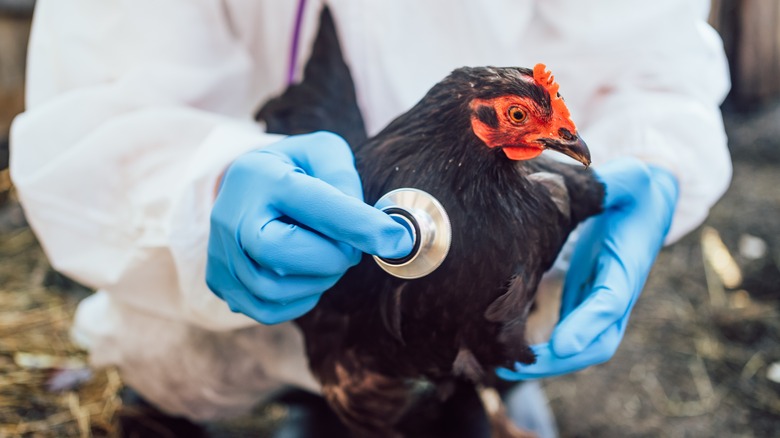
[[546, 80]]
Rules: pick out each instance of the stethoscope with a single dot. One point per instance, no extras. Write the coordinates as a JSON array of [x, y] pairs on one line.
[[418, 211]]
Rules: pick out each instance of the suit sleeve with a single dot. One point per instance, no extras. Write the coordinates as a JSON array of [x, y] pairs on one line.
[[645, 79], [134, 108]]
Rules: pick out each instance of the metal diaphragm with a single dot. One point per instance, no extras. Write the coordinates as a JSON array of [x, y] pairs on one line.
[[429, 225]]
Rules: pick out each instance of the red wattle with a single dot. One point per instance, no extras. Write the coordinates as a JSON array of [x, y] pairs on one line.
[[521, 153]]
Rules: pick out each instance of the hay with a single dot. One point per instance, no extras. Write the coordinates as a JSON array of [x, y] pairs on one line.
[[36, 355], [34, 346]]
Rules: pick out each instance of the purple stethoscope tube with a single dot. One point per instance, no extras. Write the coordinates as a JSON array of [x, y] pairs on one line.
[[293, 62], [418, 211]]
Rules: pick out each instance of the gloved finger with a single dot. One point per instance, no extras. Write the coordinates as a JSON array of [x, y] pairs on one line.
[[242, 301], [666, 187], [232, 283], [622, 268], [343, 218], [323, 155], [289, 249], [549, 364], [602, 310], [622, 178], [220, 269], [583, 265], [272, 288]]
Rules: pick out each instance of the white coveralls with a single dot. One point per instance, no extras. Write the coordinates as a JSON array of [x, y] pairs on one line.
[[135, 107]]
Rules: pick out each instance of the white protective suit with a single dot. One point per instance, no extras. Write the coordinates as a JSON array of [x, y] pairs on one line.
[[135, 107]]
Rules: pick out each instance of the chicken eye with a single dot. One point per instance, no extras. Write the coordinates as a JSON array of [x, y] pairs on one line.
[[516, 114]]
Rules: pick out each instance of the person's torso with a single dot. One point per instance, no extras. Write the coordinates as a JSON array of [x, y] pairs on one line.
[[396, 50]]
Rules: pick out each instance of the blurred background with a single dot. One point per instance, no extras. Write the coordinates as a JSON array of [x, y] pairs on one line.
[[701, 356]]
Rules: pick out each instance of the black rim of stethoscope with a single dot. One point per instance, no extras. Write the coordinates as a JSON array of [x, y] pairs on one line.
[[416, 237]]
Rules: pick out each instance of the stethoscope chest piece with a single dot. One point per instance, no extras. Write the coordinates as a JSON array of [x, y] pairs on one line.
[[427, 221]]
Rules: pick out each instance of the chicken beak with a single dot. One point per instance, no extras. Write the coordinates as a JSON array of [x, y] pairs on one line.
[[573, 147]]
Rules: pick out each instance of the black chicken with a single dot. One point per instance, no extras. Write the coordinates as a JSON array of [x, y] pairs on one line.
[[469, 142]]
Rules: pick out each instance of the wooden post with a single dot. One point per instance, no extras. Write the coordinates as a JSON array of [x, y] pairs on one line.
[[751, 34], [14, 32]]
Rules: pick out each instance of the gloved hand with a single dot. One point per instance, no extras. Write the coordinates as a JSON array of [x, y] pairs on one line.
[[609, 266], [287, 223]]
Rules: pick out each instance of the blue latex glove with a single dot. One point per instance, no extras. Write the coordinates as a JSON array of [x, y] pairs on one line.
[[287, 223], [609, 266]]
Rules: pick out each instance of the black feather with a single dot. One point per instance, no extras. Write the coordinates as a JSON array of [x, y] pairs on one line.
[[325, 100], [372, 333], [488, 116]]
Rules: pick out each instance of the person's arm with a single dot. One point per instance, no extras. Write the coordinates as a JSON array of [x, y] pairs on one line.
[[651, 76], [134, 111]]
